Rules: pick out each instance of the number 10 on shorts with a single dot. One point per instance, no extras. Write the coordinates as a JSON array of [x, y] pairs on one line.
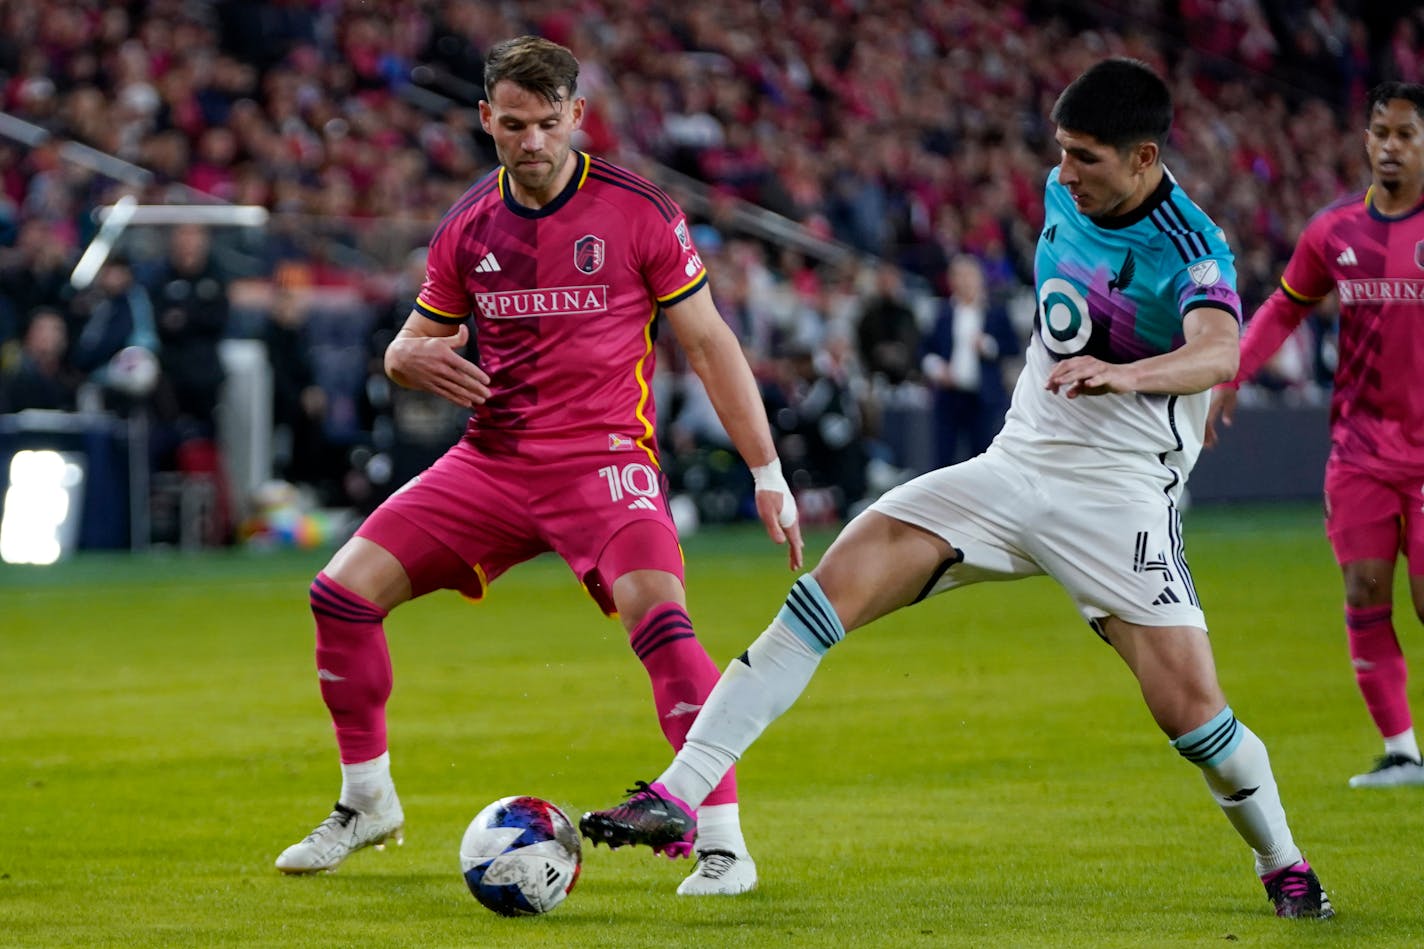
[[637, 480]]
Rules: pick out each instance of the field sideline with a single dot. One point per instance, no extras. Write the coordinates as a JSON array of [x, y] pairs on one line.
[[978, 770]]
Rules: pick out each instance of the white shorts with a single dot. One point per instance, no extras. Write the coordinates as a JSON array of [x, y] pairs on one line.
[[1111, 536]]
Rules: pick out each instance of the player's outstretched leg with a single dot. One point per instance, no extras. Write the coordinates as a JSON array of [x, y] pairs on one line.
[[354, 670], [1238, 772], [757, 687]]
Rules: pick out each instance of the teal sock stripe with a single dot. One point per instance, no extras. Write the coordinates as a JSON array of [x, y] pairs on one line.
[[809, 615], [1212, 743]]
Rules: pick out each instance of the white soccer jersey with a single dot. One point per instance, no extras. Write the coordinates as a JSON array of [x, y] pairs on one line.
[[1119, 291]]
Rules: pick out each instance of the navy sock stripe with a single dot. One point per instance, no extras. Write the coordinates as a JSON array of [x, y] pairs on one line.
[[345, 609], [666, 621], [669, 626], [331, 602], [343, 617], [674, 618], [643, 652], [804, 604], [1212, 744], [1213, 737], [1370, 616], [809, 623]]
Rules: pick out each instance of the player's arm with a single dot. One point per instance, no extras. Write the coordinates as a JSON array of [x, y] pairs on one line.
[[428, 354], [1209, 355], [1274, 322], [716, 356]]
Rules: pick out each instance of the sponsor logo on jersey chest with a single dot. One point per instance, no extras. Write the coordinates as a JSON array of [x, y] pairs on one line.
[[1380, 291], [551, 301]]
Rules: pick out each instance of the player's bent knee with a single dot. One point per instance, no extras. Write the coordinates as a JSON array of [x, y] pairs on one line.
[[1368, 583], [370, 571]]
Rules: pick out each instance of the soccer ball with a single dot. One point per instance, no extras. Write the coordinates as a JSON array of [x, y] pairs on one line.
[[521, 856]]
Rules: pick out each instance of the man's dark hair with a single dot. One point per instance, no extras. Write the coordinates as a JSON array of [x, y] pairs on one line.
[[1381, 94], [531, 62], [1120, 102]]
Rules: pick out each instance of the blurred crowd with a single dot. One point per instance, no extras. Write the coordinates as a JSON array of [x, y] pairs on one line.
[[911, 137]]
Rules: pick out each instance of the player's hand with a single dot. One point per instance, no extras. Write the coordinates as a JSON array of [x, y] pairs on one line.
[[1087, 375], [1223, 409], [777, 508], [437, 364]]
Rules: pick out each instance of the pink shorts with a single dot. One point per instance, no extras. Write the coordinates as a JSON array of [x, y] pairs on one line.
[[604, 513], [1371, 516]]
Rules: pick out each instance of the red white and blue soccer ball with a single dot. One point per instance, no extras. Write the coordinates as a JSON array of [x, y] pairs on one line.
[[521, 856]]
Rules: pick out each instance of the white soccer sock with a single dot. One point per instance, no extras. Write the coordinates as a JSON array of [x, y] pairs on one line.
[[1403, 744], [365, 784], [756, 688], [1238, 772], [719, 827]]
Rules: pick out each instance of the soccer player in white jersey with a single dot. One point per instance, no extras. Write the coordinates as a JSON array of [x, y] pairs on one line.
[[1138, 318]]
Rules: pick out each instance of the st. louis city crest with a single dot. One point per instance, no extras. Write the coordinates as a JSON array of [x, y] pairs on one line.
[[588, 254]]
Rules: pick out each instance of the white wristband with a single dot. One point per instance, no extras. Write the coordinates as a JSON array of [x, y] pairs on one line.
[[768, 477]]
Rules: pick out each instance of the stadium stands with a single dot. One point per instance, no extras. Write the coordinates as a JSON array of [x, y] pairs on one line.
[[898, 131]]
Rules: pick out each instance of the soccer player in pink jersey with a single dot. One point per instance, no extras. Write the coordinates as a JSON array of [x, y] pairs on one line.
[[565, 262], [1369, 249]]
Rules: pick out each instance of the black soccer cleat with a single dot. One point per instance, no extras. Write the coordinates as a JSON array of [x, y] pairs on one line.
[[1297, 894], [650, 817]]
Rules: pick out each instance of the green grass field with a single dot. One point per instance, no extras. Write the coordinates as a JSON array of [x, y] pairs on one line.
[[975, 771]]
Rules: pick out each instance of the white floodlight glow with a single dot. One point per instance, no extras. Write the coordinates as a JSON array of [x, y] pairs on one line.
[[41, 507]]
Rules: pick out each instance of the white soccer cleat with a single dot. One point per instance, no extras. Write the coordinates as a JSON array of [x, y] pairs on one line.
[[1391, 771], [342, 834], [719, 873]]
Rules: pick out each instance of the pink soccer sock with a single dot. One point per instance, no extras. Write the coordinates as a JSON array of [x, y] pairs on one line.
[[353, 666], [682, 674], [1379, 665]]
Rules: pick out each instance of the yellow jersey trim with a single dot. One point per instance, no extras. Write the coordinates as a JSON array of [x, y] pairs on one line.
[[645, 391], [426, 306], [701, 274], [484, 585], [1296, 295]]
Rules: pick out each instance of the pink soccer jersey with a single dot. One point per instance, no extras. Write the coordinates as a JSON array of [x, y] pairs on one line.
[[1376, 265], [564, 299]]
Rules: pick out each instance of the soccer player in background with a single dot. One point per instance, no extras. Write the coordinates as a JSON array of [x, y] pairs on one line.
[[565, 262], [1369, 248], [1138, 318]]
